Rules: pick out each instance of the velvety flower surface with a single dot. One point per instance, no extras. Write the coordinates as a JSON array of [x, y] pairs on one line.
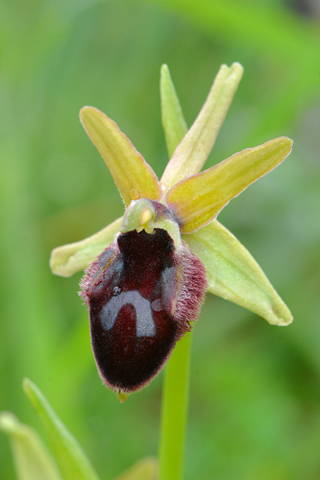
[[148, 271]]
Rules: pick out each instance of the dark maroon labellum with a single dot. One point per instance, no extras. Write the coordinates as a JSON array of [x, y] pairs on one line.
[[138, 290]]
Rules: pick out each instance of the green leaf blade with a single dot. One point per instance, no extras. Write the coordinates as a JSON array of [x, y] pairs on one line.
[[32, 460], [234, 275], [71, 459], [145, 469]]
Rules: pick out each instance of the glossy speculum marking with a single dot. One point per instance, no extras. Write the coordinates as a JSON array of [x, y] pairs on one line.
[[141, 298]]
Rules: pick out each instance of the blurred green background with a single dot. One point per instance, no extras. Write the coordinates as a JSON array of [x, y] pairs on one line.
[[255, 389]]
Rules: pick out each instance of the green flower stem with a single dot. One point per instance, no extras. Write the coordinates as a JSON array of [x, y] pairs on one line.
[[174, 411], [176, 383]]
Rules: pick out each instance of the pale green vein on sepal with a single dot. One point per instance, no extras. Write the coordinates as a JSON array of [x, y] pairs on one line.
[[194, 149], [233, 274], [71, 258], [173, 122], [32, 460], [72, 461], [132, 175], [144, 469]]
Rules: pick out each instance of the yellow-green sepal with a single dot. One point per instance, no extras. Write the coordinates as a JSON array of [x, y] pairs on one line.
[[195, 147], [31, 457], [197, 200], [234, 275], [131, 173], [71, 258]]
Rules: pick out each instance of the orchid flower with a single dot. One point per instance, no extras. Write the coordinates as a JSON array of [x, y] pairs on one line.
[[147, 272]]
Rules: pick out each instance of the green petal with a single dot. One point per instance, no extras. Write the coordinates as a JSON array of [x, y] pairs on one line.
[[194, 149], [145, 469], [131, 173], [71, 258], [70, 457], [234, 275], [197, 200], [32, 460], [173, 121]]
